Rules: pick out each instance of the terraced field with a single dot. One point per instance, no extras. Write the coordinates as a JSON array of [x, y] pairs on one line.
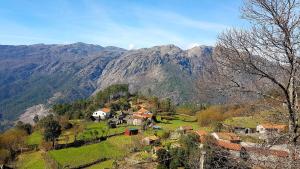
[[114, 148], [32, 160], [35, 138], [103, 165]]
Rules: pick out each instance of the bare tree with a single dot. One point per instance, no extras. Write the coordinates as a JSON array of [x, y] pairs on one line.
[[266, 56]]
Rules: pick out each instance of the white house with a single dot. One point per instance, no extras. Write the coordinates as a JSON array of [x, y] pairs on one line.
[[101, 114]]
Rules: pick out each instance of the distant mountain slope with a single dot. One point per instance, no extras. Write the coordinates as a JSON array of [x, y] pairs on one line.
[[30, 75], [45, 74], [164, 71]]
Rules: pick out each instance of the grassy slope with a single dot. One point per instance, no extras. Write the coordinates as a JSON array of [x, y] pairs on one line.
[[112, 148], [35, 138], [249, 122], [180, 121], [101, 128], [31, 161], [103, 165]]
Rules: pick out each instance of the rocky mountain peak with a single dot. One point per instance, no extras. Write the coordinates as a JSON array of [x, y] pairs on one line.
[[199, 51], [167, 49]]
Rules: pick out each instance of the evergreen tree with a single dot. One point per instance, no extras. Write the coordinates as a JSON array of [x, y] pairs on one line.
[[52, 130]]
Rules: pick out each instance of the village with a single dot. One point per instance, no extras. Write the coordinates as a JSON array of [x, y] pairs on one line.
[[228, 140], [138, 84], [138, 131]]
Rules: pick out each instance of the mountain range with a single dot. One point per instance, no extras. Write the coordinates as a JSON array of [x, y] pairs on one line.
[[46, 74]]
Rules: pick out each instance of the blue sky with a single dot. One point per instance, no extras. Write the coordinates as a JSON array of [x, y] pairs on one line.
[[123, 23]]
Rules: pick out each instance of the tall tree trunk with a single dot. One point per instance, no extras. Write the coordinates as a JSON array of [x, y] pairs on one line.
[[53, 141], [293, 122]]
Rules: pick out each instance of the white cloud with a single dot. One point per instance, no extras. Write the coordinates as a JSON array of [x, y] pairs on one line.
[[191, 45], [131, 46]]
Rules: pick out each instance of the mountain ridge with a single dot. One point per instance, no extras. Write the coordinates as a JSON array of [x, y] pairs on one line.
[[47, 74]]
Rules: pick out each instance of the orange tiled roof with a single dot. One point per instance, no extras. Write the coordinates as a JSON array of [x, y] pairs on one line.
[[142, 114], [201, 132], [106, 110], [274, 126], [228, 136], [142, 111], [144, 105], [229, 146]]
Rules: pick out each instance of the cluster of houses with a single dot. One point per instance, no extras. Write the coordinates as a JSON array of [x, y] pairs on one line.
[[258, 154], [262, 129], [269, 155], [226, 140], [136, 118]]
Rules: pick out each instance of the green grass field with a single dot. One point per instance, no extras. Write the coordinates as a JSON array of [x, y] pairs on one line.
[[90, 127], [249, 122], [32, 160], [174, 124], [101, 128], [35, 138], [103, 165], [114, 147], [89, 131]]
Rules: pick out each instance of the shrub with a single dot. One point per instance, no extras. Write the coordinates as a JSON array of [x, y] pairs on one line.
[[165, 135], [211, 115], [167, 118], [4, 156], [26, 127], [189, 108], [68, 126], [161, 166], [147, 148], [46, 145], [163, 157]]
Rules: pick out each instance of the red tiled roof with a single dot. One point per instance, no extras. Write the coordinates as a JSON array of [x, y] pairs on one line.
[[142, 116], [229, 146], [142, 113], [201, 134]]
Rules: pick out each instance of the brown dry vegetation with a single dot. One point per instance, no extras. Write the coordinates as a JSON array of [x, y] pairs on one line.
[[218, 113]]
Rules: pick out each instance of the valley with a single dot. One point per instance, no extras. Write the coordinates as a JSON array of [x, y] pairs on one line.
[[49, 74], [87, 142]]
